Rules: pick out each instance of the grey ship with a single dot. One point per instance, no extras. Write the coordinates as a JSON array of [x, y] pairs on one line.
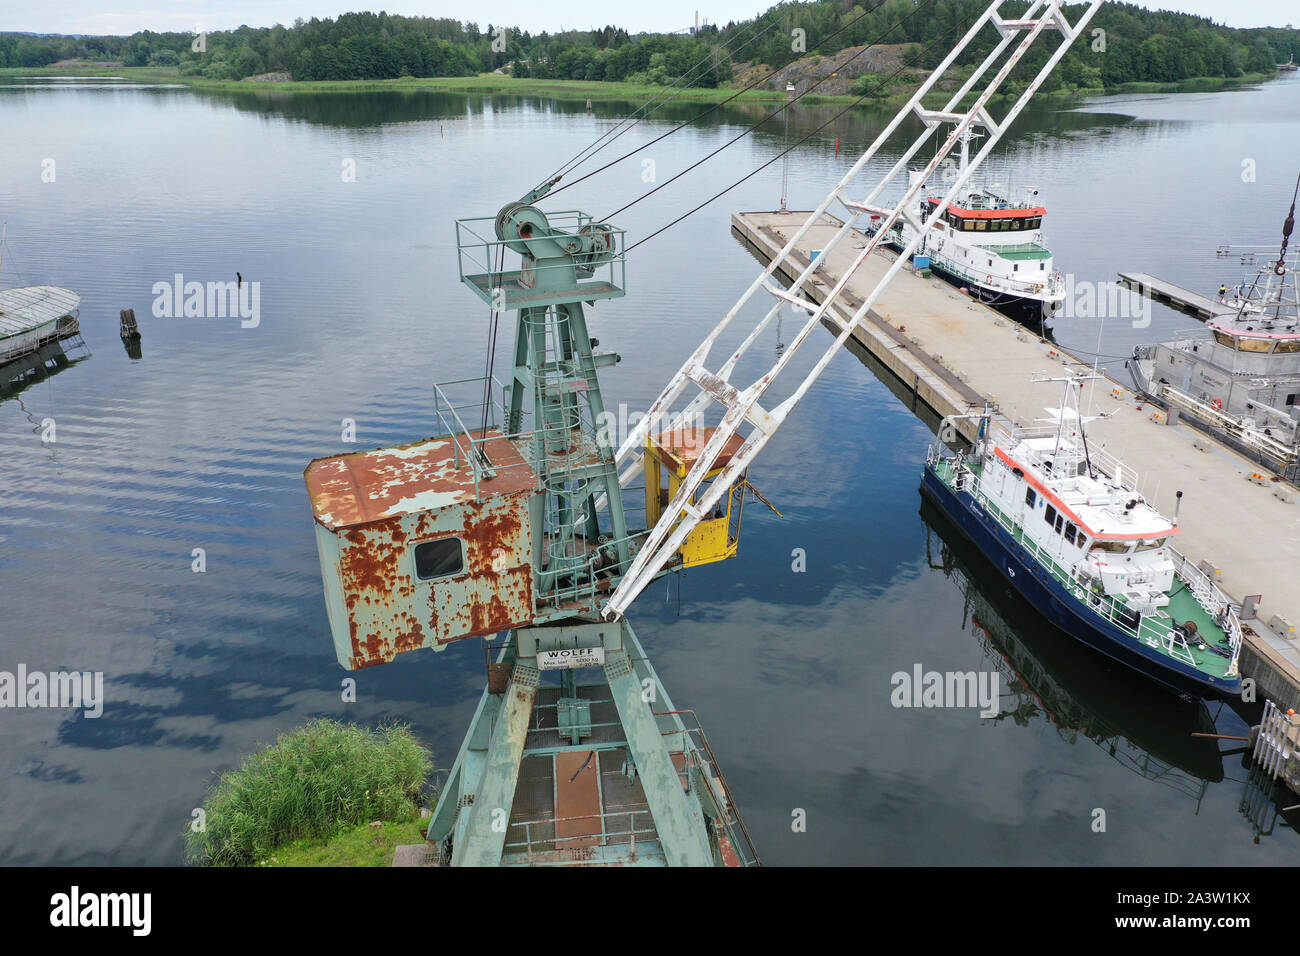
[[1238, 378]]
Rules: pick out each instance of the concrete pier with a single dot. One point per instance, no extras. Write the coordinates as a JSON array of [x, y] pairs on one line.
[[953, 355]]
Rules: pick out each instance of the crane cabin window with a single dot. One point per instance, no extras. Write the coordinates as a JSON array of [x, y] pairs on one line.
[[439, 559]]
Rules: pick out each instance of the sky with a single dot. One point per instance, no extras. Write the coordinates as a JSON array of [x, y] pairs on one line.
[[129, 16]]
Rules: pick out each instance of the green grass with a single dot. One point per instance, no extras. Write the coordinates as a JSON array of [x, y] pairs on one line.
[[362, 845], [311, 784], [895, 94]]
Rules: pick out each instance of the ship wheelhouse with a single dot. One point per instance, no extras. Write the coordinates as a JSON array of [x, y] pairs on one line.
[[988, 215]]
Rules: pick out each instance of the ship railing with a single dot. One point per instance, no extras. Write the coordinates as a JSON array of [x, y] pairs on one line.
[[1051, 284], [1188, 336], [1101, 459], [549, 840], [1252, 437], [690, 739], [1151, 631], [1213, 602]]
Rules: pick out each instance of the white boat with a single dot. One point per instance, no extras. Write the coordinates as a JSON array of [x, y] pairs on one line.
[[991, 246], [33, 316], [1065, 525]]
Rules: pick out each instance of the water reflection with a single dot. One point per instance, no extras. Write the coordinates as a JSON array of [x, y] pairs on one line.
[[47, 361]]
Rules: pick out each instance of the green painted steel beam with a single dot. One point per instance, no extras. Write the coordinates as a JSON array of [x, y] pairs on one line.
[[676, 814], [489, 816], [465, 771]]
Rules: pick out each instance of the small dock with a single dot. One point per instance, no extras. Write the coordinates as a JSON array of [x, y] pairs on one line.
[[1175, 296], [944, 354]]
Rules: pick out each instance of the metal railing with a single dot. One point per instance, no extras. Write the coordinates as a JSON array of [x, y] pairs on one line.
[[450, 424], [1277, 745], [700, 757], [1102, 460], [1151, 632], [1243, 432], [533, 844], [479, 252]]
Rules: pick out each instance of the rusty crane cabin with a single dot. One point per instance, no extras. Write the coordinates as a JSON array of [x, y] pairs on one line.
[[419, 548]]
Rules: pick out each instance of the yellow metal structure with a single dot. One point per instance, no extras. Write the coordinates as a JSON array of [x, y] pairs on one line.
[[671, 455]]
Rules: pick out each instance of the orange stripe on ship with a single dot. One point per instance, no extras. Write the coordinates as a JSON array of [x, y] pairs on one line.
[[1070, 512], [1022, 212]]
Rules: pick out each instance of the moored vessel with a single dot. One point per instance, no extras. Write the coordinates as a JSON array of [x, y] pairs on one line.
[[1238, 378], [34, 316], [989, 245], [1067, 528]]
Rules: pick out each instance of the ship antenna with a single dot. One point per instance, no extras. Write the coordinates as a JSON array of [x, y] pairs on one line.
[[1287, 226], [1083, 438]]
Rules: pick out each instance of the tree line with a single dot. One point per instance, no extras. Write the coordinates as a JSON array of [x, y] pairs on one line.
[[1136, 44]]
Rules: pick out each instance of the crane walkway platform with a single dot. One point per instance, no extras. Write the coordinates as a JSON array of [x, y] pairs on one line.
[[951, 355]]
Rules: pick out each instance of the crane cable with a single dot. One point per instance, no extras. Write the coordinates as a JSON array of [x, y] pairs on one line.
[[650, 106], [788, 149], [716, 106], [784, 106], [1287, 226]]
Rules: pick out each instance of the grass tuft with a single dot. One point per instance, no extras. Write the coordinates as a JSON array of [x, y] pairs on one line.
[[311, 784]]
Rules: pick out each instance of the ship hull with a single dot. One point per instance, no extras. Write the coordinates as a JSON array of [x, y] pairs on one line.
[[1051, 599], [1026, 311]]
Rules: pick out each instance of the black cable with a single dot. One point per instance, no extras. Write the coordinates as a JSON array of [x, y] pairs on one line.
[[783, 152], [722, 103], [784, 106]]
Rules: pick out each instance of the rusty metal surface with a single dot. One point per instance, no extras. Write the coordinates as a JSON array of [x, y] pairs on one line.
[[577, 799], [680, 448], [367, 486], [372, 509], [498, 676]]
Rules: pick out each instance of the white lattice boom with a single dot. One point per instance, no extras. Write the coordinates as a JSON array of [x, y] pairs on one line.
[[741, 404]]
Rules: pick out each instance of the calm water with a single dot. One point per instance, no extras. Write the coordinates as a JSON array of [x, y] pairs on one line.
[[202, 442]]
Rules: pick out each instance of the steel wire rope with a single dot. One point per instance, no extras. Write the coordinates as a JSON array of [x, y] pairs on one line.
[[716, 106], [650, 106], [784, 106], [754, 172]]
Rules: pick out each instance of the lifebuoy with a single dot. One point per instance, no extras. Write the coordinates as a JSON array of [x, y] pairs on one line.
[[1216, 404], [988, 278]]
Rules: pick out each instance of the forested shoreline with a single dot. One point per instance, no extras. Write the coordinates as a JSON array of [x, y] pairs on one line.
[[1138, 45]]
